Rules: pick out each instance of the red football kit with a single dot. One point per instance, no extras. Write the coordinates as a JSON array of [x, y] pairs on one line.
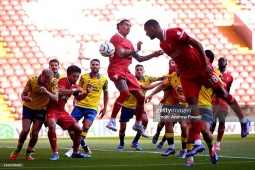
[[227, 81], [57, 110], [118, 67], [189, 62]]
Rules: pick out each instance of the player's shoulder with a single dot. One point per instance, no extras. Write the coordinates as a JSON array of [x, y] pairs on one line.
[[63, 79], [61, 75], [173, 74], [116, 36], [171, 30], [228, 73], [34, 77], [103, 77], [85, 75]]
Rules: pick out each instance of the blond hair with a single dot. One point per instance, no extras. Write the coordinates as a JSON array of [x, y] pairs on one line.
[[48, 73]]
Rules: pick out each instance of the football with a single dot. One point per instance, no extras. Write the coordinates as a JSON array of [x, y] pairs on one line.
[[106, 49]]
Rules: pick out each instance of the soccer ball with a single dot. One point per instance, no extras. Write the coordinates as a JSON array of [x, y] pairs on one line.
[[106, 49]]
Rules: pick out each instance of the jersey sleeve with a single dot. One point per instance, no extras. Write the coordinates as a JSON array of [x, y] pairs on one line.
[[153, 79], [167, 82], [28, 86], [116, 40], [178, 34], [105, 87], [61, 84]]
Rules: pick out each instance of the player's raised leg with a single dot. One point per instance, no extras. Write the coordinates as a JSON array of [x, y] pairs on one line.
[[121, 85]]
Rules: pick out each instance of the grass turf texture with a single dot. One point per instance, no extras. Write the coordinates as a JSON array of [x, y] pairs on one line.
[[235, 153]]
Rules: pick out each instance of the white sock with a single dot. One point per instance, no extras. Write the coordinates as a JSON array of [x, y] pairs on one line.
[[113, 119], [171, 146], [217, 143], [190, 158], [138, 123], [198, 142], [243, 120]]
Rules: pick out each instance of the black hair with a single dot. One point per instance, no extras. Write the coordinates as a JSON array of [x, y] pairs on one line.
[[138, 65], [210, 55], [73, 69], [152, 22], [95, 60], [54, 61], [121, 22]]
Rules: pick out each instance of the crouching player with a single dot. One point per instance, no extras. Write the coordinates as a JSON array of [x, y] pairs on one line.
[[56, 113]]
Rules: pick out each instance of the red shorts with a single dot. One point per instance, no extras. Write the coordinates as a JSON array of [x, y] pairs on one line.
[[192, 86], [115, 74], [62, 118]]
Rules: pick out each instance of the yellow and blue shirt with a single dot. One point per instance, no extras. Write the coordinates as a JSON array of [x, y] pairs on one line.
[[39, 100], [130, 102], [174, 81], [206, 94], [100, 83], [59, 76], [171, 99]]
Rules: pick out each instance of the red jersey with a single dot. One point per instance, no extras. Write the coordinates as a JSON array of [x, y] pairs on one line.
[[227, 81], [189, 61], [120, 62], [63, 83]]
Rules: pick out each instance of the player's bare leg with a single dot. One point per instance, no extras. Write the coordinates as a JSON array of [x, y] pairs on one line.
[[196, 125], [140, 99], [121, 85], [245, 123], [208, 138], [53, 138]]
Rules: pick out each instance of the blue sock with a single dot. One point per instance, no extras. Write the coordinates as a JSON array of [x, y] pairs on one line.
[[83, 141], [137, 137]]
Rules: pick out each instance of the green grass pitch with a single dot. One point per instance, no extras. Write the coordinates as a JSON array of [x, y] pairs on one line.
[[236, 153]]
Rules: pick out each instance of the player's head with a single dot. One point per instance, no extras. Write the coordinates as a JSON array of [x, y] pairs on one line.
[[210, 55], [139, 71], [222, 62], [54, 65], [172, 66], [151, 27], [95, 66], [46, 77], [124, 27], [73, 74]]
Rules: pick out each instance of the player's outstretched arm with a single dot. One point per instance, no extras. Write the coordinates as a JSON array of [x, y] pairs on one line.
[[150, 86], [198, 46], [166, 94], [155, 91], [81, 96], [147, 57]]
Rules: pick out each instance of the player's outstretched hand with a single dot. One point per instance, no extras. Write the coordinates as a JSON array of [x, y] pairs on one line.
[[148, 99], [157, 53], [89, 88], [26, 99], [139, 45], [102, 113]]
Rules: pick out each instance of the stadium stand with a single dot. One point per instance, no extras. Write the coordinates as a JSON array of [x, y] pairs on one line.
[[29, 37]]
